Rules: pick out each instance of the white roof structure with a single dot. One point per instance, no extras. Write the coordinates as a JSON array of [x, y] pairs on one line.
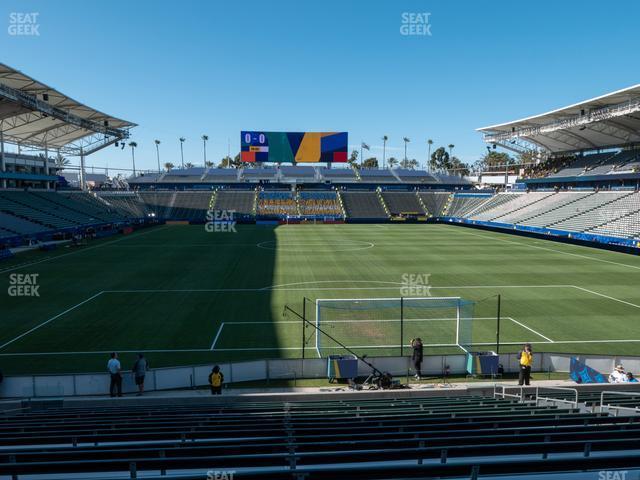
[[611, 120], [35, 115]]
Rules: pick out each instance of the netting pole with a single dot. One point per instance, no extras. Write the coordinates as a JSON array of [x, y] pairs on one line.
[[498, 327], [318, 328], [304, 324], [401, 326], [458, 324]]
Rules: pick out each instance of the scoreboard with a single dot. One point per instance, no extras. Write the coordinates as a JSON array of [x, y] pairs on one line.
[[293, 147]]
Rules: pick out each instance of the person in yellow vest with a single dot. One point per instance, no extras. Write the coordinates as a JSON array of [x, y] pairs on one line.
[[216, 378], [526, 360]]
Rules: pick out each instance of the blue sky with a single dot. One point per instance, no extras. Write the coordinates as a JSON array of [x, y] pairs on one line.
[[211, 67]]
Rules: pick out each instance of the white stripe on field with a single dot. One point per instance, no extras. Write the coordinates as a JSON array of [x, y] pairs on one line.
[[50, 320], [530, 329], [217, 336], [126, 237]]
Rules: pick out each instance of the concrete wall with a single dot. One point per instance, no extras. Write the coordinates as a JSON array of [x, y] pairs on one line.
[[40, 386]]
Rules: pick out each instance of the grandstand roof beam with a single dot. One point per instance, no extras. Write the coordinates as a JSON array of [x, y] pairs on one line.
[[580, 138], [602, 122], [26, 105], [622, 126]]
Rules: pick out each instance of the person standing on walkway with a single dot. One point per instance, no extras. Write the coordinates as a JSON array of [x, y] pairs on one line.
[[417, 356], [526, 360], [139, 371], [216, 379], [113, 366]]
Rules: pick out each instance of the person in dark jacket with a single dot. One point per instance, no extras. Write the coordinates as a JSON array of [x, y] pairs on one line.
[[216, 379], [416, 356]]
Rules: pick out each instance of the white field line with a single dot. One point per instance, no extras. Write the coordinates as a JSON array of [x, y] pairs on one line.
[[356, 321], [217, 336], [126, 237], [545, 342], [50, 320], [266, 289], [530, 329], [186, 350], [554, 250], [271, 288], [607, 296]]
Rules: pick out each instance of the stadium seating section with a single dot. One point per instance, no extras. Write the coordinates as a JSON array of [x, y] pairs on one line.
[[459, 436], [612, 213], [277, 203], [606, 212], [363, 205], [287, 174], [402, 202], [320, 204]]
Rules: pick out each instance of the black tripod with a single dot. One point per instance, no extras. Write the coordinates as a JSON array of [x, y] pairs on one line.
[[376, 377]]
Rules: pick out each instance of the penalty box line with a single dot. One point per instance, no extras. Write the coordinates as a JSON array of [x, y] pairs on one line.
[[219, 332], [268, 289]]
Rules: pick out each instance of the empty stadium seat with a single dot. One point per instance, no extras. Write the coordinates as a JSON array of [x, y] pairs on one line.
[[363, 205], [458, 436]]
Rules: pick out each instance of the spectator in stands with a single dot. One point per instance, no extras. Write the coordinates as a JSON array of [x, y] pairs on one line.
[[116, 378], [526, 360], [417, 356], [631, 378], [618, 375], [216, 379], [139, 371]]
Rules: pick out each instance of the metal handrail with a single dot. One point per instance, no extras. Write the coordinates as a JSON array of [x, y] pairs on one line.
[[617, 407], [504, 394], [573, 390]]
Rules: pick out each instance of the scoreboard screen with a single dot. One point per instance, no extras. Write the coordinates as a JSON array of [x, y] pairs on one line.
[[293, 147]]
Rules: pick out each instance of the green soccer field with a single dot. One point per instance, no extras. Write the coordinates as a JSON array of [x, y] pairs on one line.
[[185, 296]]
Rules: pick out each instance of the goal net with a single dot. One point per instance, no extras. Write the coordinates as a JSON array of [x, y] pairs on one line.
[[386, 324]]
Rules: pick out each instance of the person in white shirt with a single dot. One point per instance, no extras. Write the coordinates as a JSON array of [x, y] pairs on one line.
[[618, 375], [113, 366]]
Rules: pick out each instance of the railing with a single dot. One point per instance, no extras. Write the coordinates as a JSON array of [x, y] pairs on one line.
[[617, 408], [574, 402], [503, 394]]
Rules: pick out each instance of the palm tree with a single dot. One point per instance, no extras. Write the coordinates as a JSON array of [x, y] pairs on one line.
[[429, 142], [204, 142], [182, 139], [61, 161], [406, 140], [168, 166], [451, 145], [384, 150], [133, 145], [208, 164], [157, 142]]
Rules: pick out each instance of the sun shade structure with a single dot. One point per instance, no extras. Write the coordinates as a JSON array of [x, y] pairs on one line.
[[611, 120], [34, 115]]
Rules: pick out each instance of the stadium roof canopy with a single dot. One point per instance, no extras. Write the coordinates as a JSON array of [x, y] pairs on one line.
[[611, 120], [34, 115]]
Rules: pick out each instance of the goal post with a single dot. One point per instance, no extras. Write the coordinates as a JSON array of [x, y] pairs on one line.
[[387, 325]]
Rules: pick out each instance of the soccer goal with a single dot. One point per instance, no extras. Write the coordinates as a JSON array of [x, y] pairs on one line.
[[389, 324]]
